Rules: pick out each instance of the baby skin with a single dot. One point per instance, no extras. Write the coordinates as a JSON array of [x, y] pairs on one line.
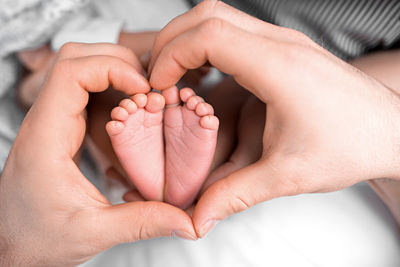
[[165, 148]]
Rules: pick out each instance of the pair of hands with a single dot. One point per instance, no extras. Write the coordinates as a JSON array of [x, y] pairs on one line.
[[328, 126]]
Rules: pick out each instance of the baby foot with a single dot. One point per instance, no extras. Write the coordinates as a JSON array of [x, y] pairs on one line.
[[136, 133], [190, 139]]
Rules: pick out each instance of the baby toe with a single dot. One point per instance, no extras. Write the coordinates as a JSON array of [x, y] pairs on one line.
[[193, 101], [155, 102], [171, 96], [119, 114], [128, 105], [203, 109], [186, 93], [209, 122], [114, 128], [140, 100]]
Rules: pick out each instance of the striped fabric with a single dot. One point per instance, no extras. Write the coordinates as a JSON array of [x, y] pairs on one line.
[[347, 28]]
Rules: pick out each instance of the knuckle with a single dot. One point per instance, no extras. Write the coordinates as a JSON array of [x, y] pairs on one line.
[[206, 8], [127, 53], [212, 27], [236, 202], [143, 232], [301, 38], [241, 204], [294, 53], [296, 34], [68, 49]]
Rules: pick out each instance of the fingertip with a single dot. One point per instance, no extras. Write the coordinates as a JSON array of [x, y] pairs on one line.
[[128, 79], [209, 208], [225, 197], [162, 77], [142, 85]]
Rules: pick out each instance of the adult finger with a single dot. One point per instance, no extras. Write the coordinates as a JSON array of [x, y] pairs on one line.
[[59, 108], [263, 181], [134, 196], [250, 59], [134, 221], [76, 50], [209, 9]]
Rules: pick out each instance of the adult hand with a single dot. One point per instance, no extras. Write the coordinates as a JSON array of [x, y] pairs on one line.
[[50, 214], [328, 125]]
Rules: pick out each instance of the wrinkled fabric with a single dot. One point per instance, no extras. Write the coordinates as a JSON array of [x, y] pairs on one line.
[[348, 29], [24, 24]]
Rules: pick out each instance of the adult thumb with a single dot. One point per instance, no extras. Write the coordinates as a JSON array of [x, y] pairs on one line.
[[240, 190], [134, 221]]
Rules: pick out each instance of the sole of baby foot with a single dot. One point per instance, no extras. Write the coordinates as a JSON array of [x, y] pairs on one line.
[[136, 133], [190, 138]]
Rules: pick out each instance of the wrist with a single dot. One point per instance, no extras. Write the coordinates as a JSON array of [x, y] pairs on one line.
[[382, 126], [383, 66]]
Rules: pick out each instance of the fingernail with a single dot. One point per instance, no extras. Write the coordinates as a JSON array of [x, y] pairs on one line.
[[184, 235], [207, 227]]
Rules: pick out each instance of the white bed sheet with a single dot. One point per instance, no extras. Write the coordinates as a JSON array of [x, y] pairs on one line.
[[348, 228]]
